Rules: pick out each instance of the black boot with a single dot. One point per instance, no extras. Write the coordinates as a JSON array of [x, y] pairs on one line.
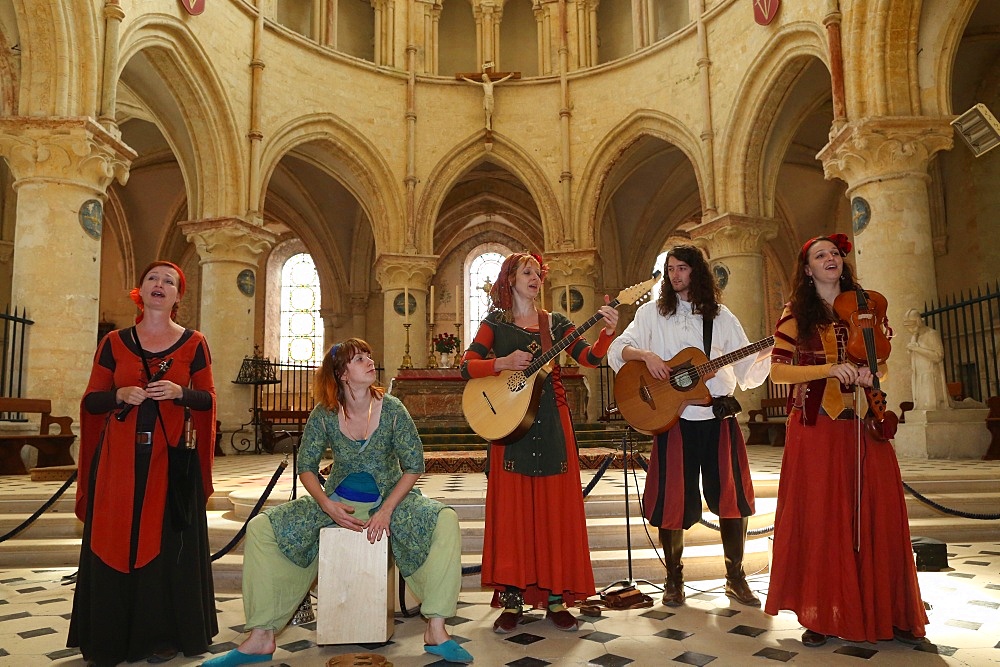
[[734, 537], [673, 548]]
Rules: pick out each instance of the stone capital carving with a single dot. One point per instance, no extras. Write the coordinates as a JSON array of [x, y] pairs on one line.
[[880, 148], [399, 271], [734, 234], [64, 150], [359, 303], [334, 318], [227, 240], [576, 267]]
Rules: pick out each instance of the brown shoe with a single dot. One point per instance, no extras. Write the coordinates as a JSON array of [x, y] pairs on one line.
[[907, 637], [673, 549], [739, 590], [562, 619], [813, 639], [507, 621], [673, 591]]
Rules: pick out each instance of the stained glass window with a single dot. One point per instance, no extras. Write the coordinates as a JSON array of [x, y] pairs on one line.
[[301, 324], [483, 270]]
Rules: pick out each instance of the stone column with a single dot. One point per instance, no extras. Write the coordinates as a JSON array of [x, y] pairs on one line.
[[734, 246], [228, 246], [884, 163], [59, 165], [359, 314], [578, 271], [394, 273]]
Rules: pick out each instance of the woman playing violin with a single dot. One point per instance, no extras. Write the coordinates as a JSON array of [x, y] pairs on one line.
[[842, 557]]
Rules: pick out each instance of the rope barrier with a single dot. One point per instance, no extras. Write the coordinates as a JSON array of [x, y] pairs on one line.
[[254, 512], [947, 510], [41, 510]]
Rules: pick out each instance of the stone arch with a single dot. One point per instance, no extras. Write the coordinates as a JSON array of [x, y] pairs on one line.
[[764, 90], [503, 153], [942, 26], [208, 147], [641, 123], [356, 164], [60, 58]]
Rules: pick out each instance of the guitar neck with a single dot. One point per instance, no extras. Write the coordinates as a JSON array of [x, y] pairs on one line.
[[561, 345], [715, 364]]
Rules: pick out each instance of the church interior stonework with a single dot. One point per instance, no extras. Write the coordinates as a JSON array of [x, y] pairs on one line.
[[394, 142]]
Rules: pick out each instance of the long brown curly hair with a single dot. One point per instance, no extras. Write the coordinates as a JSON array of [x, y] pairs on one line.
[[502, 292], [704, 293], [328, 388], [808, 309]]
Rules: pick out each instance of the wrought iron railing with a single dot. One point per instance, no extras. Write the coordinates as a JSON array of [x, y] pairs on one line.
[[968, 325], [294, 392], [13, 346]]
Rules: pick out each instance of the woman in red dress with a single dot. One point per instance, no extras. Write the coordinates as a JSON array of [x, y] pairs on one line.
[[535, 548], [864, 592]]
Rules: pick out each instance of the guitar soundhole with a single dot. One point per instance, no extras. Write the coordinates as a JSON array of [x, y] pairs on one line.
[[685, 379], [515, 382]]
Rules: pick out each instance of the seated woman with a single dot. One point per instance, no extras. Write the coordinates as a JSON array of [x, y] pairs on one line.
[[377, 458]]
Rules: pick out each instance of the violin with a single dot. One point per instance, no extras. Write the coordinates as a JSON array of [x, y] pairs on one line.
[[868, 345]]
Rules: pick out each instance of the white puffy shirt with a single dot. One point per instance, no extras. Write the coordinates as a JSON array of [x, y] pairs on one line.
[[666, 336]]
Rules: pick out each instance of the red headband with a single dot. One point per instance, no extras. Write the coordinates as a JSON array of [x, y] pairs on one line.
[[137, 298], [839, 240]]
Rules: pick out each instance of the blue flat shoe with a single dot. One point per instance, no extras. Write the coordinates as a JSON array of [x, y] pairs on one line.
[[234, 658], [450, 651]]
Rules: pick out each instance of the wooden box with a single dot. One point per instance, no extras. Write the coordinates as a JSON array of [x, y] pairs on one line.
[[356, 589]]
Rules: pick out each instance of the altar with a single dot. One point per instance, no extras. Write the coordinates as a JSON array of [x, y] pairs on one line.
[[433, 396]]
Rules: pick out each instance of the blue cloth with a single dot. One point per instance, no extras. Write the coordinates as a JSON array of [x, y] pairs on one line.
[[359, 487]]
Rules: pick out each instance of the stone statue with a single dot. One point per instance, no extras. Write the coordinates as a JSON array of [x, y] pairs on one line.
[[488, 95], [930, 389]]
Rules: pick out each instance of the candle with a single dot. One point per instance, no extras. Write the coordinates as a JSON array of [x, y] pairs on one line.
[[541, 296], [406, 304], [432, 305], [568, 309], [457, 320]]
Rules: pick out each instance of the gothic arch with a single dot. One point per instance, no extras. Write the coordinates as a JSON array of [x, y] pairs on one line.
[[466, 155], [764, 90], [208, 147], [356, 164], [942, 25], [60, 58], [641, 123]]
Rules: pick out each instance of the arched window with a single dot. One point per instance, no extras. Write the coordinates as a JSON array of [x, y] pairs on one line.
[[301, 326], [482, 268]]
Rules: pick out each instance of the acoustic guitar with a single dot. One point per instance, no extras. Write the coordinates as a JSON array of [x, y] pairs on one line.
[[501, 408], [652, 406]]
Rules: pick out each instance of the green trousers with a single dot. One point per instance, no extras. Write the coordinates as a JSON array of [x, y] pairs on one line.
[[274, 587]]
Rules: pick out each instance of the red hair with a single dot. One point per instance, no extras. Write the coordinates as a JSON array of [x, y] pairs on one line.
[[502, 292]]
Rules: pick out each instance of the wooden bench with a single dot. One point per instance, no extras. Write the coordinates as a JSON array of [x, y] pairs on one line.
[[53, 448], [273, 422], [767, 424]]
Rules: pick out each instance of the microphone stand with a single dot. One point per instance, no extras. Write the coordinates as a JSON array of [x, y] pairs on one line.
[[627, 451]]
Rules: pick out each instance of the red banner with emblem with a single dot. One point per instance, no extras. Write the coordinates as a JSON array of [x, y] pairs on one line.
[[764, 11], [193, 7]]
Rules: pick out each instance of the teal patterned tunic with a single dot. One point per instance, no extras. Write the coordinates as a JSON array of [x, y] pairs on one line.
[[393, 448]]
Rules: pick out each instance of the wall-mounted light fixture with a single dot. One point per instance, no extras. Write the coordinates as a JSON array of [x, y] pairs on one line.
[[979, 128]]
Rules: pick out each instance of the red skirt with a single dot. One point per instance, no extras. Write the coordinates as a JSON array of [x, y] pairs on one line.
[[815, 572], [536, 530]]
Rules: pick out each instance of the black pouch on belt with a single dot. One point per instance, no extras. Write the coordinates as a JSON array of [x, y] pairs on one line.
[[725, 406]]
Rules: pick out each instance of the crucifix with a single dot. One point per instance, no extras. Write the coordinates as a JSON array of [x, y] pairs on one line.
[[487, 84]]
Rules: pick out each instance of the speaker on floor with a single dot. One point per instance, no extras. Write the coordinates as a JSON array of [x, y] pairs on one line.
[[932, 555]]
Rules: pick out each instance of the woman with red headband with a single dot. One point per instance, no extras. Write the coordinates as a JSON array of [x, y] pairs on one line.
[[856, 581], [147, 438], [535, 548]]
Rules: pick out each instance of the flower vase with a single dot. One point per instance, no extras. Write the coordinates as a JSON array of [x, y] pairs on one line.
[[444, 360]]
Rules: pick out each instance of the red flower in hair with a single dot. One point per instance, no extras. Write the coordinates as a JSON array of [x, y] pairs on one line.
[[839, 240]]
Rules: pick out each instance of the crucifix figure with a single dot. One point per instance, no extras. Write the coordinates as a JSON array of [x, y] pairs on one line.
[[487, 85]]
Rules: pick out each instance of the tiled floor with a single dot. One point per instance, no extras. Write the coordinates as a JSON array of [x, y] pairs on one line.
[[964, 609]]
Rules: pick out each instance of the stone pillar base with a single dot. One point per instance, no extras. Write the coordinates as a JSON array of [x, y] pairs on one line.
[[943, 434]]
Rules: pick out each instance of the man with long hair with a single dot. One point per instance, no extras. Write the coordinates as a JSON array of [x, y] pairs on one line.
[[706, 441]]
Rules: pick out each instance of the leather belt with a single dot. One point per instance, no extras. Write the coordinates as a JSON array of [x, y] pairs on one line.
[[144, 437]]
